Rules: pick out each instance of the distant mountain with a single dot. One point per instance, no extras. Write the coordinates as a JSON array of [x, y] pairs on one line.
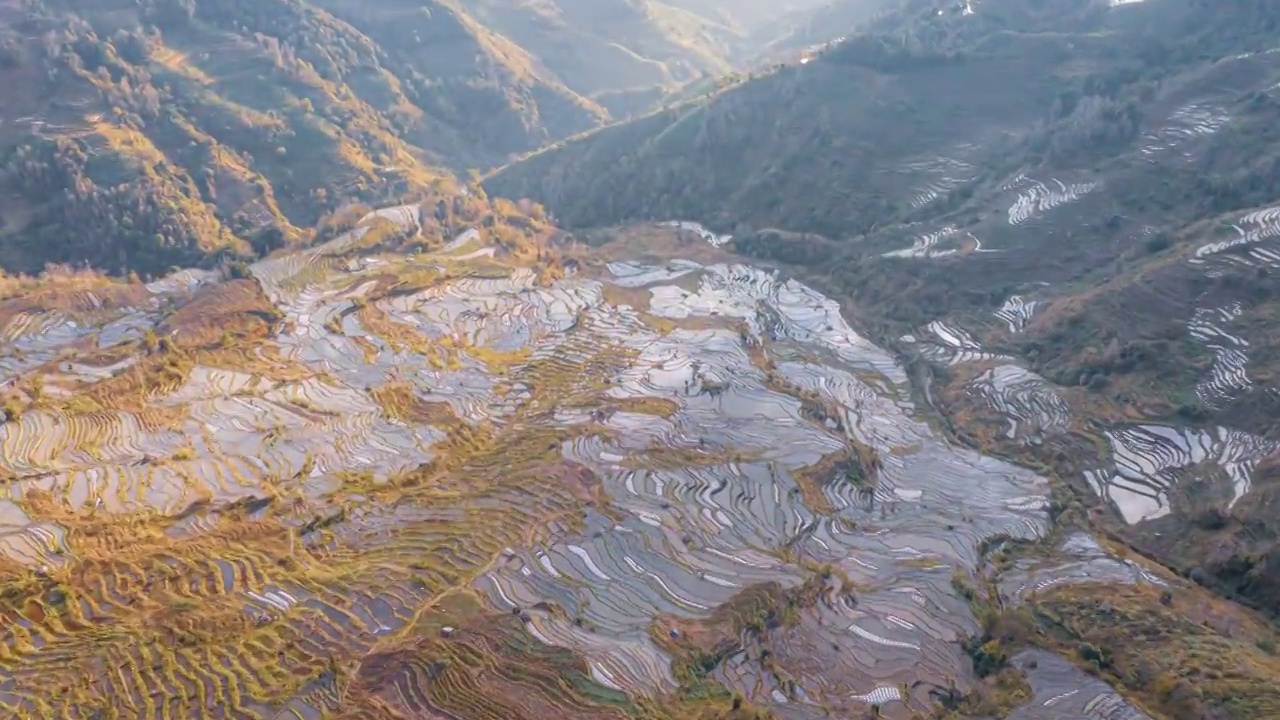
[[805, 147], [608, 45], [812, 26], [742, 14]]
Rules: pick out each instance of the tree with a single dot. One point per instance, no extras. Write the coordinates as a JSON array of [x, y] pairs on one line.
[[10, 54], [168, 14]]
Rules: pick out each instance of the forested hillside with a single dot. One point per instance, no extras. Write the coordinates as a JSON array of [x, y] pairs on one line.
[[143, 135]]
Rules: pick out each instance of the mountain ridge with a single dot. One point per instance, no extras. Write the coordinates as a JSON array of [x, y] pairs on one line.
[[253, 120]]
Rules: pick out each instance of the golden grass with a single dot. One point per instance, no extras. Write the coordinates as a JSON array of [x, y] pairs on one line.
[[255, 356], [398, 336], [237, 307], [1183, 654], [128, 142], [665, 457], [64, 289], [658, 407], [133, 390], [400, 401], [498, 362], [655, 243], [855, 464], [617, 295], [176, 61]]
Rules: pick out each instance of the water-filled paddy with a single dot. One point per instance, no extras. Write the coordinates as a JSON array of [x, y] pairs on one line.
[[595, 468]]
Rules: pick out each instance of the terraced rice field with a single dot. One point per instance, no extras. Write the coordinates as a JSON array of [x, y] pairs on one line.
[[1016, 312], [1035, 198], [1151, 460], [942, 175], [1079, 559], [454, 484], [1187, 123], [1029, 403], [926, 245], [1253, 244], [1228, 376], [946, 344], [1064, 692]]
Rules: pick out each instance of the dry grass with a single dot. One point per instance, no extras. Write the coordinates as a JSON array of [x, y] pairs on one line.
[[856, 464], [617, 295], [1185, 654], [133, 390], [400, 401], [659, 407], [236, 307], [653, 243], [65, 289]]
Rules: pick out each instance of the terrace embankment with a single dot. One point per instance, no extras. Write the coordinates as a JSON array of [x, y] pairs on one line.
[[500, 478]]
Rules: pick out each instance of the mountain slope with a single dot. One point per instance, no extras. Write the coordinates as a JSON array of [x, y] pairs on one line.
[[236, 124], [610, 45], [811, 27], [1066, 212], [199, 131], [747, 15], [921, 79]]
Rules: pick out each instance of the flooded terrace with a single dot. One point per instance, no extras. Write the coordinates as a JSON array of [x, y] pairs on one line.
[[607, 458]]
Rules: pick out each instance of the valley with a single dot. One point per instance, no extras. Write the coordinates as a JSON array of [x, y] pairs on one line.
[[684, 360], [1096, 262]]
